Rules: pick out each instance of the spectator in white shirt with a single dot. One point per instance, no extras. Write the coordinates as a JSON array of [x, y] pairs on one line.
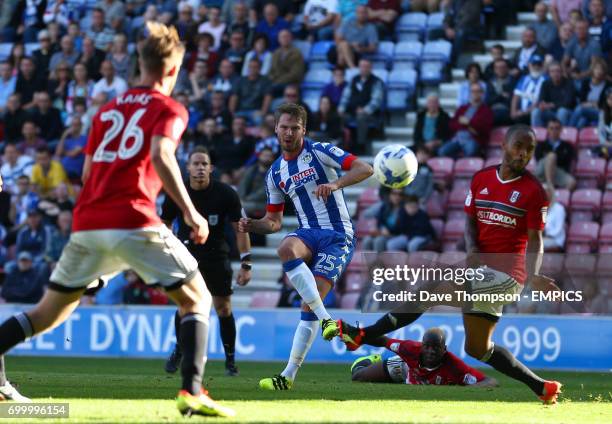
[[14, 166], [110, 84], [319, 17], [214, 26], [554, 231]]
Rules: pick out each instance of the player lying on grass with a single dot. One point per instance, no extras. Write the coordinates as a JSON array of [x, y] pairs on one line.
[[314, 255], [506, 210], [427, 362]]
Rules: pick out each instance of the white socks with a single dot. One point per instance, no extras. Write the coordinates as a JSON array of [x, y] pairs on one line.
[[305, 334], [304, 282]]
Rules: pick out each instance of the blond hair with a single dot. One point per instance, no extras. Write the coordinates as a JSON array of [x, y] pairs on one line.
[[161, 47]]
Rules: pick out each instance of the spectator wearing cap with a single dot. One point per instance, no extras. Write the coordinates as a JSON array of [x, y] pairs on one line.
[[251, 97], [28, 82], [92, 57], [67, 54], [557, 98], [319, 17], [579, 51], [529, 48], [545, 29], [554, 158], [237, 50], [7, 84], [287, 64], [527, 91], [24, 283], [42, 55], [355, 38], [214, 26], [47, 117], [110, 84], [561, 9], [32, 238], [271, 25], [499, 92], [101, 34], [260, 52], [47, 174], [471, 126], [361, 103], [591, 96], [432, 125]]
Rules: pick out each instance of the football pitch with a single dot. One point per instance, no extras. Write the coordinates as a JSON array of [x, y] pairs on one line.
[[139, 391]]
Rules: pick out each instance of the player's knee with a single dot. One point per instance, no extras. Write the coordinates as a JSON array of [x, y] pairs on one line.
[[474, 350], [224, 310], [286, 253]]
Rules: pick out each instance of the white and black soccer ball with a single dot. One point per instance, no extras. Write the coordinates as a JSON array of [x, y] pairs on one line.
[[395, 166]]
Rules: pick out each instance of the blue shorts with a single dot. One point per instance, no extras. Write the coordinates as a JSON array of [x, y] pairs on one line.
[[331, 251]]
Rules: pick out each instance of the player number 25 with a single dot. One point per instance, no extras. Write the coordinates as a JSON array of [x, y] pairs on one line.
[[129, 131]]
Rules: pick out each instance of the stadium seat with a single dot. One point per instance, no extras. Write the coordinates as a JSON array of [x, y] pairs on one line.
[[349, 301], [353, 282], [435, 24], [585, 204], [411, 26], [455, 258], [31, 47], [540, 133], [383, 74], [5, 50], [439, 50], [590, 172], [580, 265], [562, 196], [305, 47], [367, 198], [605, 237], [383, 55], [265, 299], [438, 226], [436, 204], [317, 79], [606, 207], [570, 134], [552, 264], [365, 227], [318, 53], [492, 162], [497, 136], [582, 237], [350, 73], [423, 257], [312, 98], [401, 86], [399, 99], [456, 199], [442, 169], [466, 167], [390, 259], [402, 78], [587, 137], [432, 73], [407, 52], [452, 233], [359, 261]]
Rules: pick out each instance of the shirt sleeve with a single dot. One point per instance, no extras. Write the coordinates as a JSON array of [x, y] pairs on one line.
[[538, 209], [463, 374], [276, 198], [333, 156], [170, 124], [470, 207], [404, 348]]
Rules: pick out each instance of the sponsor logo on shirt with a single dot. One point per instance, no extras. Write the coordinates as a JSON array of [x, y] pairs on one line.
[[489, 217], [304, 177]]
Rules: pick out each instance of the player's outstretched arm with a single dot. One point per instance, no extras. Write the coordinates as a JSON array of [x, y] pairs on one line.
[[270, 223], [487, 382], [165, 164], [358, 172]]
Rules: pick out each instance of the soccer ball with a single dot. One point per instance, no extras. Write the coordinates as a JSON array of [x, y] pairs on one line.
[[395, 166]]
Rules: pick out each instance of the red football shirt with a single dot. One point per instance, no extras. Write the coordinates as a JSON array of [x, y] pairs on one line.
[[122, 187], [504, 211], [452, 370]]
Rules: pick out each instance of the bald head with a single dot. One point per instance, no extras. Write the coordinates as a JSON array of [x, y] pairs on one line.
[[434, 336]]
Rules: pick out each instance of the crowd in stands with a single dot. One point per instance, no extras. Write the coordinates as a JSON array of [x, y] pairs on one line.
[[345, 61]]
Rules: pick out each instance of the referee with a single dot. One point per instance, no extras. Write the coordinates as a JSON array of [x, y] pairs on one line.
[[218, 203]]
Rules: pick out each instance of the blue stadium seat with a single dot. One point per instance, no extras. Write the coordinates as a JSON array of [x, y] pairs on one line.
[[304, 47], [407, 51], [383, 55], [431, 72], [439, 50], [397, 99], [402, 78], [30, 47], [383, 74], [401, 88], [411, 26], [5, 50], [318, 52], [435, 25], [316, 79], [350, 73], [311, 98]]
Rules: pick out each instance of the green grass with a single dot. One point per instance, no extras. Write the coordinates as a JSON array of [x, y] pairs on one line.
[[131, 391]]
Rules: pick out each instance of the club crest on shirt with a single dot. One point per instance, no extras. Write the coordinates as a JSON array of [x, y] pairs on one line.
[[307, 158], [213, 219], [514, 196]]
